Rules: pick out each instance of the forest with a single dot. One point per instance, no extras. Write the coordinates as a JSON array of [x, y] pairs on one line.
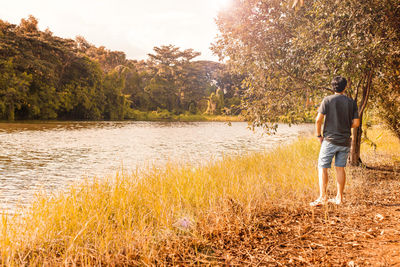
[[45, 77]]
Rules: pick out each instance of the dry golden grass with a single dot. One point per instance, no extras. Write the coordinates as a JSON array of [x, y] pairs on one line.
[[381, 141], [144, 218], [223, 118]]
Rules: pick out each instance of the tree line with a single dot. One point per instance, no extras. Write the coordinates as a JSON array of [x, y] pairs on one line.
[[43, 76]]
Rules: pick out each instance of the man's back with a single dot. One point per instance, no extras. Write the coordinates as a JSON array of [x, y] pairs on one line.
[[339, 111]]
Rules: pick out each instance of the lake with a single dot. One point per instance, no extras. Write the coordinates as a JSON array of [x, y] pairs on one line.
[[49, 156]]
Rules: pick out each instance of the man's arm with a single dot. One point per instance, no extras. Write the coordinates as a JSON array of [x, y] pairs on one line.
[[318, 126], [355, 123]]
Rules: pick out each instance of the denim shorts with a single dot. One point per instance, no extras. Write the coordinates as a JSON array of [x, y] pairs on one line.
[[328, 151]]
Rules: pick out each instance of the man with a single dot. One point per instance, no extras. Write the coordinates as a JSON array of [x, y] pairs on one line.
[[341, 114]]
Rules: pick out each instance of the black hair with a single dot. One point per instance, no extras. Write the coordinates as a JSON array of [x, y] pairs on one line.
[[339, 84]]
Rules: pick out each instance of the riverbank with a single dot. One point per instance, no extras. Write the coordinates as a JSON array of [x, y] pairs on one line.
[[154, 117], [164, 115], [251, 209]]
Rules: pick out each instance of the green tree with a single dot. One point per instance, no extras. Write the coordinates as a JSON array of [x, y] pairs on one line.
[[231, 85], [47, 77], [172, 76], [114, 83], [108, 59], [82, 90], [29, 25], [134, 86], [13, 89], [289, 56]]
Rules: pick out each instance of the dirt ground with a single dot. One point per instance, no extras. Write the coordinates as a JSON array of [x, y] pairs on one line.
[[365, 231]]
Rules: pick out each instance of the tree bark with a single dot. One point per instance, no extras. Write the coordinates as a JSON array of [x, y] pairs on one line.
[[355, 159]]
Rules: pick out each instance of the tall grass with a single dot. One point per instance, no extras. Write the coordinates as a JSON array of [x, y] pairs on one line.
[[126, 219], [380, 140]]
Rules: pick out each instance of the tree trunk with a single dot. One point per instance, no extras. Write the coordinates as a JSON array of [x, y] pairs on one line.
[[354, 159], [10, 111]]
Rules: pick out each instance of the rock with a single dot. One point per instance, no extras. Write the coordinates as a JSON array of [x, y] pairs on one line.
[[183, 224]]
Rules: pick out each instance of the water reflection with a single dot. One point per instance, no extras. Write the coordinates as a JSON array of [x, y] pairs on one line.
[[49, 156]]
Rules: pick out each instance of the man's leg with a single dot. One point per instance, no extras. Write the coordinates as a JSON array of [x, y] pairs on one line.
[[323, 182], [340, 164], [324, 162], [341, 181]]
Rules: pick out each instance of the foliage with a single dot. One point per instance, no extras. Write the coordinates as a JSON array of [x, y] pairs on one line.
[[192, 108], [47, 77], [289, 56], [388, 94], [13, 89]]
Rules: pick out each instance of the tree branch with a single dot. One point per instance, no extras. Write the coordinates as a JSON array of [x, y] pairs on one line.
[[323, 88], [357, 88], [291, 91], [302, 80], [366, 93]]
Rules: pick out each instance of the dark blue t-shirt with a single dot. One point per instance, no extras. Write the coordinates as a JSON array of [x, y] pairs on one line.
[[339, 111]]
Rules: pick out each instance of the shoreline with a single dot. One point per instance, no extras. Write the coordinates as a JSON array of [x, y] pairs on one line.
[[175, 118]]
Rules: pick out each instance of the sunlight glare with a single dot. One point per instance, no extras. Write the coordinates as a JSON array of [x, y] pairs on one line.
[[221, 4]]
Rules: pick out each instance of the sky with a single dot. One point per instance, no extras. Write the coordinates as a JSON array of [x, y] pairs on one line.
[[131, 26]]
